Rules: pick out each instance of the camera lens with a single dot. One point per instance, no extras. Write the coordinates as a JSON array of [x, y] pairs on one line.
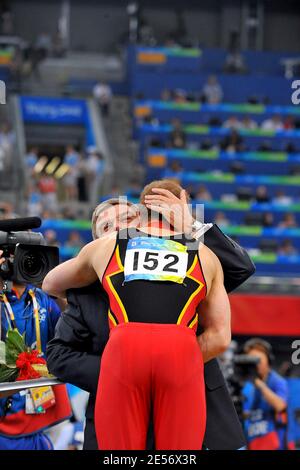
[[34, 264]]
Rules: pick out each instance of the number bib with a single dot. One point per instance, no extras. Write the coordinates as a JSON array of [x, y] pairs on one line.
[[155, 259]]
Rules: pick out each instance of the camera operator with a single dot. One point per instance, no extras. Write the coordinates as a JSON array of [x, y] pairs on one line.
[[265, 401], [33, 313]]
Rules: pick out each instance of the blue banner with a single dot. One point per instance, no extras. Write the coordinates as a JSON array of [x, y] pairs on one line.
[[53, 110]]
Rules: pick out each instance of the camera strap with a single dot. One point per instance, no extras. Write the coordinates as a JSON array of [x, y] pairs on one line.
[[9, 310], [35, 315], [36, 320]]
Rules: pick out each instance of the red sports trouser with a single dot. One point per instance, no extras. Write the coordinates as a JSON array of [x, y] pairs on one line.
[[151, 366]]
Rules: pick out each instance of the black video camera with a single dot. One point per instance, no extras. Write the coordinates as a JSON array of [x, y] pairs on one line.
[[27, 258], [237, 370]]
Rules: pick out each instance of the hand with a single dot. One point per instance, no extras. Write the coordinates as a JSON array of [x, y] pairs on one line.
[[259, 383], [175, 210]]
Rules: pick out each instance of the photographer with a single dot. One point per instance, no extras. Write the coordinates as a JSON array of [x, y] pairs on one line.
[[265, 401], [34, 314]]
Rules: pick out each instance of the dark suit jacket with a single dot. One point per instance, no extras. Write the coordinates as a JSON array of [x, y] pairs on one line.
[[82, 332]]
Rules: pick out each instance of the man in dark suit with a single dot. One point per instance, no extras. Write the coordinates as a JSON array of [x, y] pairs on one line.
[[82, 332]]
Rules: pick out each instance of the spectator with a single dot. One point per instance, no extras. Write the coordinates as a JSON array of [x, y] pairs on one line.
[[214, 121], [35, 206], [82, 179], [134, 190], [177, 135], [290, 147], [7, 137], [203, 194], [7, 211], [58, 46], [234, 62], [221, 220], [212, 92], [7, 20], [71, 178], [43, 45], [282, 199], [74, 241], [175, 170], [51, 215], [268, 219], [265, 146], [180, 96], [68, 213], [289, 123], [51, 238], [253, 99], [288, 221], [171, 41], [48, 189], [248, 123], [31, 159], [146, 33], [114, 192], [232, 123], [287, 248], [103, 95], [273, 124], [261, 194], [95, 174], [206, 144], [233, 142], [166, 95]]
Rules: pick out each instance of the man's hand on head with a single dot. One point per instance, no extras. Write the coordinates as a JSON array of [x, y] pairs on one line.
[[175, 210]]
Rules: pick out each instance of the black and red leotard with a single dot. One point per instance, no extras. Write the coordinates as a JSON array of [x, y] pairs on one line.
[[152, 361]]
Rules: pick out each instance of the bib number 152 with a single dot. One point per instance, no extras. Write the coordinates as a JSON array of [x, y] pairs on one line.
[[151, 260]]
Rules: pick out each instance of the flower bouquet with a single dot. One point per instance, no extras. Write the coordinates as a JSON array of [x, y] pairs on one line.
[[18, 361]]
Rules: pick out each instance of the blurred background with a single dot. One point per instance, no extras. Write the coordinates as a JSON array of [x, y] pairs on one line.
[[105, 96]]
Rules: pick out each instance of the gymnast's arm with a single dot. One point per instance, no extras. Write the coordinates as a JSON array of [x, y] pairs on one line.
[[74, 273], [214, 310]]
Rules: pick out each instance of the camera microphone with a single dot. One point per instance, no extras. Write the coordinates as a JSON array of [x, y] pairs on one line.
[[22, 224]]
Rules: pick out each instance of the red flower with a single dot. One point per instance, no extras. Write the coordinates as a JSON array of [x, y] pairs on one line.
[[24, 364]]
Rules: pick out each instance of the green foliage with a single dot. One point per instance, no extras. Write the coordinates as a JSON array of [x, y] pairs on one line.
[[8, 374], [9, 351]]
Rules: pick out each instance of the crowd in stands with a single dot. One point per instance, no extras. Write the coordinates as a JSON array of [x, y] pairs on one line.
[[233, 141], [81, 180], [54, 197], [262, 219], [211, 93]]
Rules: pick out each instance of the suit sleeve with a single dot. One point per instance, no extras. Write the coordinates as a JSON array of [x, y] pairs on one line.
[[236, 263], [67, 358]]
